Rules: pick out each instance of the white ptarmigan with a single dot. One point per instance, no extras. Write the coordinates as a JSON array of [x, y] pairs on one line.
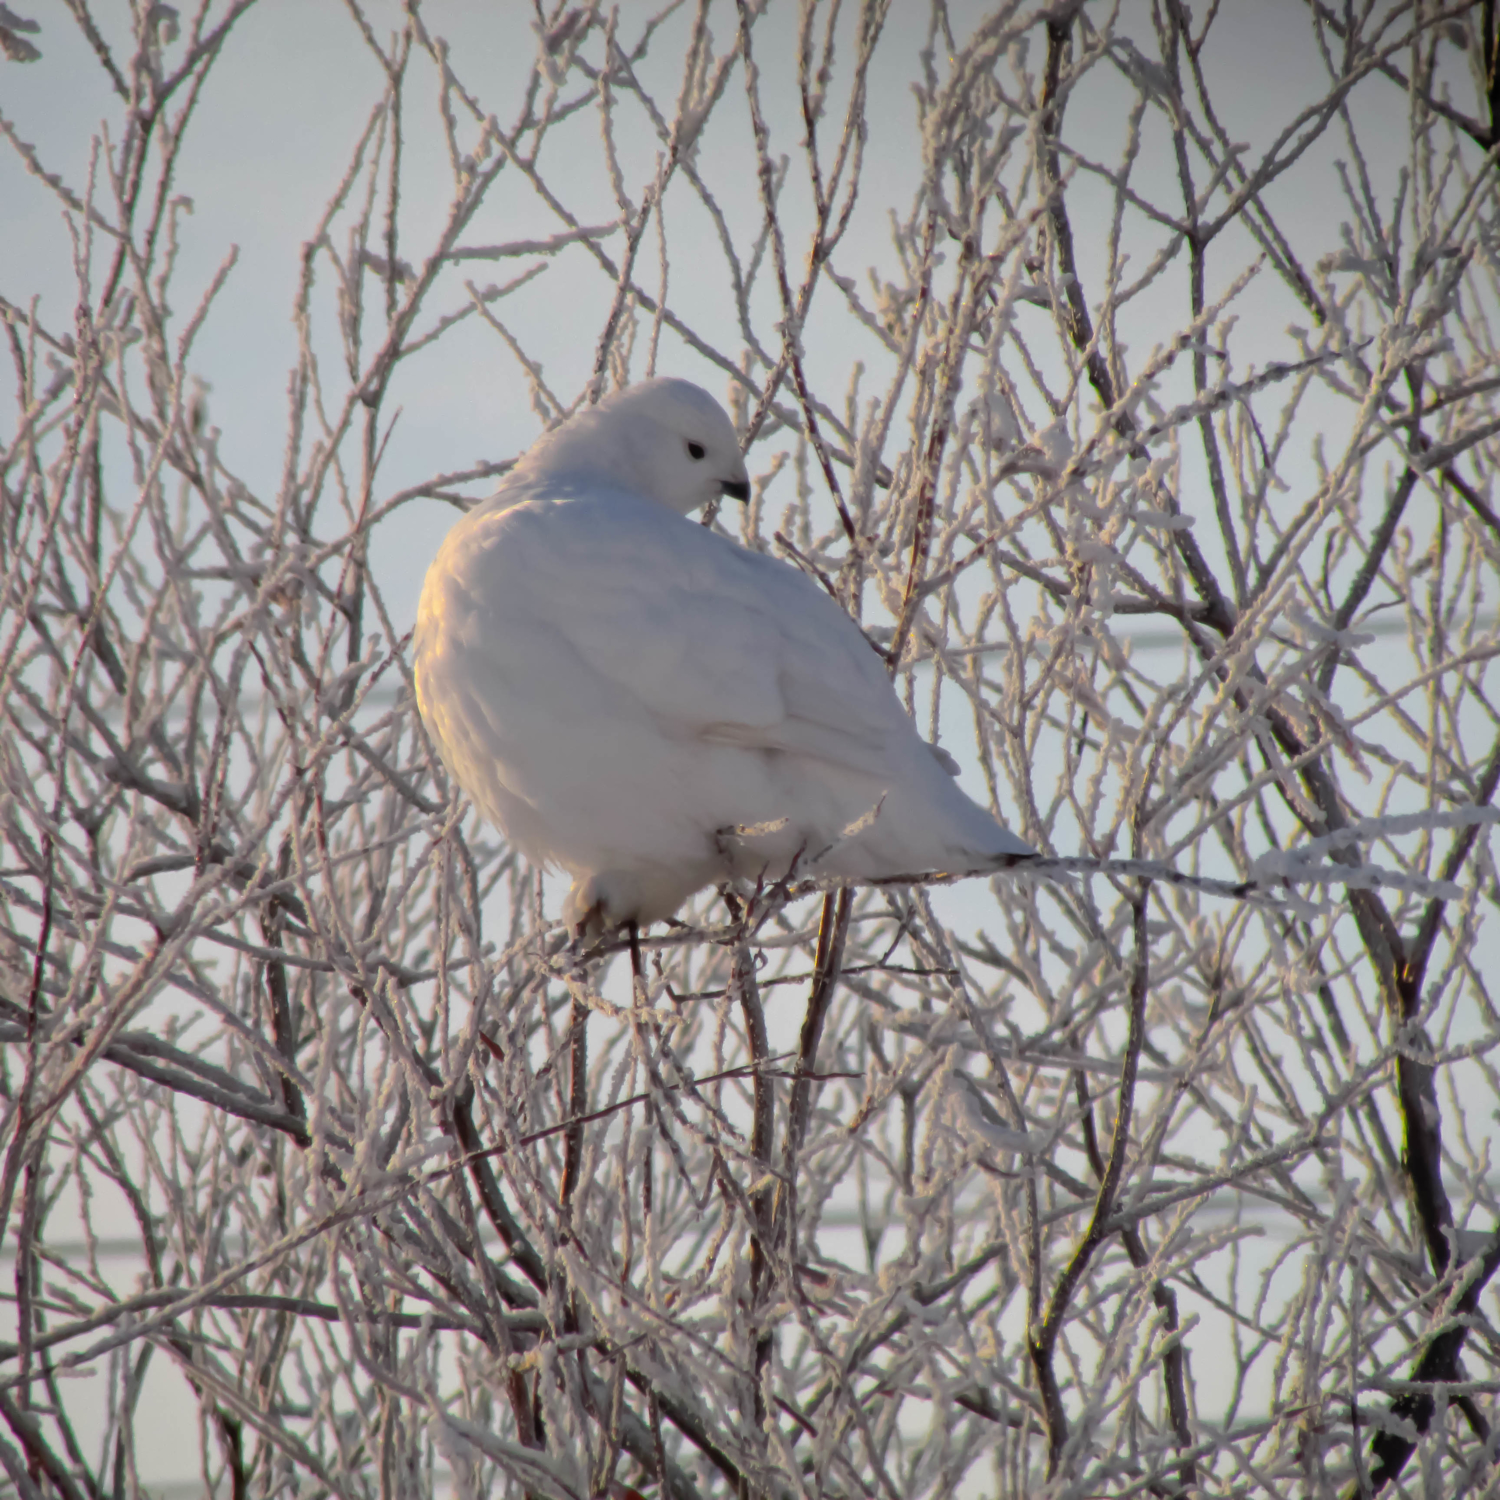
[[654, 708]]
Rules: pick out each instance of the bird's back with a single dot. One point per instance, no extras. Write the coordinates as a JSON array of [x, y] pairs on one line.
[[655, 708]]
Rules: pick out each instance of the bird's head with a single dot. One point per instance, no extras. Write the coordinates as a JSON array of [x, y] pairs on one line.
[[668, 439]]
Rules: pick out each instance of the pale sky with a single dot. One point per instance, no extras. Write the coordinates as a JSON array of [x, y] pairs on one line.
[[293, 89]]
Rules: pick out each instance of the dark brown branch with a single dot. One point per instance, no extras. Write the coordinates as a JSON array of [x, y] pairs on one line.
[[1437, 1365], [1079, 325], [1422, 1158], [1481, 135], [28, 1433], [578, 1101], [302, 1307], [742, 983], [506, 1225], [1174, 1361], [1416, 1086], [1042, 1339], [1380, 542], [833, 931], [278, 995], [199, 1080]]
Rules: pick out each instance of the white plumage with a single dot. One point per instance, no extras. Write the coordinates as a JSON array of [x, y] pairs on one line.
[[654, 708]]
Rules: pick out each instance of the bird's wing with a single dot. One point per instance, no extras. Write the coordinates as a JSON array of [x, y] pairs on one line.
[[715, 641]]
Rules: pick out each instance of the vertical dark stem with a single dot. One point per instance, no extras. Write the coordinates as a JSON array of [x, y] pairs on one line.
[[27, 1278], [1043, 1336], [514, 1238], [1438, 1364], [1174, 1361], [1176, 33], [496, 1210], [1079, 326], [15, 1157], [232, 1445], [742, 984], [272, 922], [396, 72], [578, 1102], [1490, 41], [658, 1447], [637, 963], [833, 928], [794, 310], [1422, 1157]]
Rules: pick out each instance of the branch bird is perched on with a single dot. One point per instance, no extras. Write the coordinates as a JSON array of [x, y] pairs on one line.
[[654, 708]]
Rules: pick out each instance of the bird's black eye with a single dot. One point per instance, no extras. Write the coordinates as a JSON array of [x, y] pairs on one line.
[[695, 450]]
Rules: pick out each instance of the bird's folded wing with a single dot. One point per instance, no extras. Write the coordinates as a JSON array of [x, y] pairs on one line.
[[718, 643]]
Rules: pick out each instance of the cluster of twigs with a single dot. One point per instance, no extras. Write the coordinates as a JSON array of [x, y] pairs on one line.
[[1162, 1167]]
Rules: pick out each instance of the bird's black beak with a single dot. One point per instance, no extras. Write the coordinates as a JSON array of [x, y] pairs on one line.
[[736, 489]]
